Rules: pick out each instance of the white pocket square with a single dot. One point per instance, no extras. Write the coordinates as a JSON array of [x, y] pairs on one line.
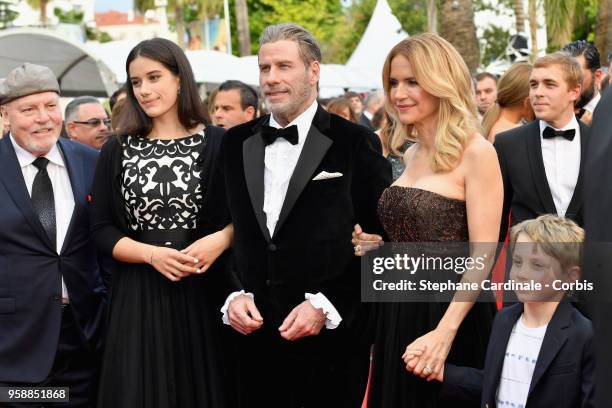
[[325, 176]]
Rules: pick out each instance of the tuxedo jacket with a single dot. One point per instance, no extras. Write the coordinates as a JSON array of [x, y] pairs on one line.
[[597, 250], [365, 121], [310, 249], [526, 190], [564, 372], [31, 270]]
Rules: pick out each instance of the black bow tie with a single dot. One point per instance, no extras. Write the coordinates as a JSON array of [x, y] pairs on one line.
[[270, 134], [550, 133]]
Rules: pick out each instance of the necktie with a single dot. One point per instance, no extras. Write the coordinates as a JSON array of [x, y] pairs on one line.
[[550, 133], [270, 134], [42, 198]]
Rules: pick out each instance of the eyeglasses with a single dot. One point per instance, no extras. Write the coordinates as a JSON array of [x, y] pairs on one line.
[[94, 122]]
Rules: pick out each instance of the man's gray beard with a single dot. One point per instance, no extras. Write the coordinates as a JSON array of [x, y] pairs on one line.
[[287, 110]]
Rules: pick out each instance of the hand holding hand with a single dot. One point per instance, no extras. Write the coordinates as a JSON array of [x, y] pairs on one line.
[[171, 263], [412, 356], [364, 242], [206, 250], [435, 347], [304, 320]]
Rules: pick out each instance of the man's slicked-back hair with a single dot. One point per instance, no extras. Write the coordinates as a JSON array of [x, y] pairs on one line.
[[587, 50], [307, 45]]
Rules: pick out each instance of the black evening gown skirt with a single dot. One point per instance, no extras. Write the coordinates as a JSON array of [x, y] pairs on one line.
[[163, 347]]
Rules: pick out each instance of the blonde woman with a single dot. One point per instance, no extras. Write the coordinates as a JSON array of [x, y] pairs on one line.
[[512, 107], [451, 190]]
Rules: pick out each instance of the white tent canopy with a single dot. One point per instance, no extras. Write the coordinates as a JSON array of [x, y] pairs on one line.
[[384, 31], [77, 70]]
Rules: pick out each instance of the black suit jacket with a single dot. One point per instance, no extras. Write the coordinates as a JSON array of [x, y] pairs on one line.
[[31, 269], [526, 189], [598, 247], [564, 372], [310, 249], [364, 121]]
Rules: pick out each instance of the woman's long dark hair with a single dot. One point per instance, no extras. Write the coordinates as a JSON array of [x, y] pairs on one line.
[[133, 120]]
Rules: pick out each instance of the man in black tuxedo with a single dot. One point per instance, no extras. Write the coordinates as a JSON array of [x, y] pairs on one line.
[[541, 162], [597, 251], [296, 182], [51, 294]]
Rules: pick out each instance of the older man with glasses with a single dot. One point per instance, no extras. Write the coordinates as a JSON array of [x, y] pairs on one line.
[[87, 122]]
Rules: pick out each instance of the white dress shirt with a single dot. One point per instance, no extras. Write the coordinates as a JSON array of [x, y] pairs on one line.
[[562, 164], [280, 159], [592, 103], [62, 191]]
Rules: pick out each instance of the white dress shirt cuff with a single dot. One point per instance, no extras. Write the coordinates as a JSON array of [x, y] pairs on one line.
[[225, 317], [319, 301]]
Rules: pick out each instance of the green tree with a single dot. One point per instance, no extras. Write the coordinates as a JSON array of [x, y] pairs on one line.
[[356, 19], [603, 37], [7, 14], [412, 15], [68, 17], [456, 24], [495, 40], [559, 22], [42, 6]]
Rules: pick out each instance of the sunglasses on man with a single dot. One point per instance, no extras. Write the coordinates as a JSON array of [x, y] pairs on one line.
[[94, 122]]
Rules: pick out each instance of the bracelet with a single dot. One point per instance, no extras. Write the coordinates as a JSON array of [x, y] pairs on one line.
[[152, 251]]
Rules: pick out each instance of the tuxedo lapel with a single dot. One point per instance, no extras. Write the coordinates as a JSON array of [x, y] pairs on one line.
[[576, 202], [12, 177], [555, 337], [315, 147], [75, 172], [253, 151], [536, 164]]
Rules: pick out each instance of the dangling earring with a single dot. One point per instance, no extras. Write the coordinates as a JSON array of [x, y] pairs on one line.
[[178, 91]]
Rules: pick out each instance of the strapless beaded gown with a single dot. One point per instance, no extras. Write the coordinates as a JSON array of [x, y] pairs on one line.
[[414, 215]]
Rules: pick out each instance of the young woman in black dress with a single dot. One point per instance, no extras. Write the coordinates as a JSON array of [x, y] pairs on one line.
[[162, 347]]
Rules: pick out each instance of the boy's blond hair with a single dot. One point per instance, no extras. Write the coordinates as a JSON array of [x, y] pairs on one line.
[[557, 237]]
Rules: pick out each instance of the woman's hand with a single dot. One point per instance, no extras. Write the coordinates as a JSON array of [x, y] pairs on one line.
[[412, 355], [364, 242], [429, 353], [206, 250], [171, 263]]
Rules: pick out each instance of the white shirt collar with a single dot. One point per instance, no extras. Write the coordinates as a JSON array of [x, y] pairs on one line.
[[368, 114], [572, 124], [26, 158], [303, 121], [593, 103]]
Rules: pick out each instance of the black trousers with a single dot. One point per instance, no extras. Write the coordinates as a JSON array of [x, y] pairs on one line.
[[75, 366], [271, 372]]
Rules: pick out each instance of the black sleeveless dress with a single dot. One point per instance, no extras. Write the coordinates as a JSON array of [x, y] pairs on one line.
[[413, 215], [162, 346]]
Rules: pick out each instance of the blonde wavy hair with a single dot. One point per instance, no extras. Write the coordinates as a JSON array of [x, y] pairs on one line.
[[440, 71]]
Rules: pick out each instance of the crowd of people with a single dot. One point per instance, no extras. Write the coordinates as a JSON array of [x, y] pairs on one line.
[[182, 252]]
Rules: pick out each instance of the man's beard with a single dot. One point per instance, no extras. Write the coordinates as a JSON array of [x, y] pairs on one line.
[[586, 96]]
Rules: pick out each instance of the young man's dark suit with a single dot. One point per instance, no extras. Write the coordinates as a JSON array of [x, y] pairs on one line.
[[526, 188], [309, 251], [598, 246], [564, 372], [32, 320]]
